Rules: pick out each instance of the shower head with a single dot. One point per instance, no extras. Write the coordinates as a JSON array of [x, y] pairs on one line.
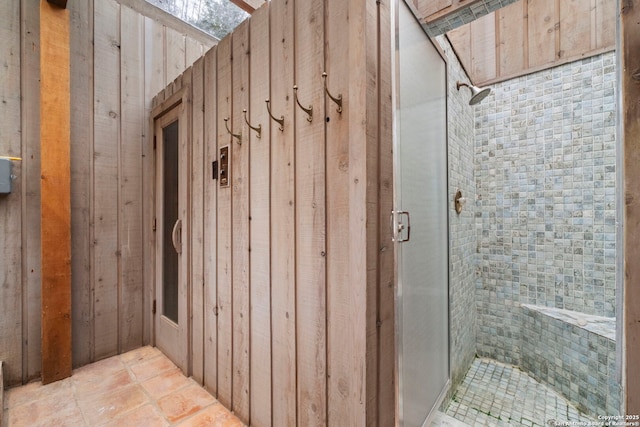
[[477, 93]]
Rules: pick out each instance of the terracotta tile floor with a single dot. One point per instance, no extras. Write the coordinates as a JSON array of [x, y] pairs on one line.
[[139, 388]]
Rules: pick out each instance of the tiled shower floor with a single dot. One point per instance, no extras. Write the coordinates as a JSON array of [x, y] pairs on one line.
[[495, 394], [138, 389]]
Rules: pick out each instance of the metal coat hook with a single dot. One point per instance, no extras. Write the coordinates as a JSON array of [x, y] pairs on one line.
[[280, 121], [258, 129], [337, 100], [238, 136], [309, 110]]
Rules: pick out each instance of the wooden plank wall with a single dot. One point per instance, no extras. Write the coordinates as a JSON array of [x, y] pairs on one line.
[[259, 231], [134, 57], [298, 260], [111, 91], [531, 35], [11, 321]]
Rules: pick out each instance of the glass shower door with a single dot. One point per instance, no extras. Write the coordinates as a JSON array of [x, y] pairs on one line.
[[421, 222]]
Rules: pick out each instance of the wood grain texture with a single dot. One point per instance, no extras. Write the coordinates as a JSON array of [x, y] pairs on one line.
[[153, 83], [11, 321], [175, 53], [373, 46], [511, 40], [310, 215], [210, 242], [339, 340], [106, 258], [356, 315], [483, 61], [355, 366], [193, 51], [81, 178], [185, 287], [605, 25], [629, 45], [196, 207], [385, 304], [248, 6], [460, 39], [346, 215], [240, 221], [428, 8], [575, 28], [155, 73], [132, 129], [30, 178], [259, 225], [283, 343], [454, 7], [543, 28], [225, 264], [534, 35], [283, 295], [126, 67], [55, 110]]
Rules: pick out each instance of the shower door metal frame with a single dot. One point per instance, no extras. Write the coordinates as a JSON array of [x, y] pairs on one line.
[[398, 230]]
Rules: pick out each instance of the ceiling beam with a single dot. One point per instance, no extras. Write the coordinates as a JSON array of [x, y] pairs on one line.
[[248, 6], [441, 16], [428, 14]]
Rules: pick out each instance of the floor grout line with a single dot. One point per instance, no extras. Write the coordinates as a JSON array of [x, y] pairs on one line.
[[496, 394]]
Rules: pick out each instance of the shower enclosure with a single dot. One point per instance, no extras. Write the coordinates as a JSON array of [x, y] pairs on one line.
[[420, 221]]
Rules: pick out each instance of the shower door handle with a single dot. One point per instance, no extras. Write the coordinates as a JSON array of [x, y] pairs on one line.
[[177, 228], [397, 226]]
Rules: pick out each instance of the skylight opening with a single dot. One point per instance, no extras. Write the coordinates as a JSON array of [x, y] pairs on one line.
[[216, 17]]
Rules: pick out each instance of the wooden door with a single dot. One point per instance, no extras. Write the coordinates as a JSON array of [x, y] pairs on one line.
[[172, 250]]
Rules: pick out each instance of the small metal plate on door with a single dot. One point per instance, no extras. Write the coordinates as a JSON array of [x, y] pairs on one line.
[[224, 166], [398, 227]]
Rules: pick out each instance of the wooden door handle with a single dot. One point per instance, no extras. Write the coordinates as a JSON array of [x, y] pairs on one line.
[[177, 244]]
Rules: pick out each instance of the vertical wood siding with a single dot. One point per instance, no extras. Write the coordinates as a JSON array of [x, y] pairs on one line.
[[112, 85], [259, 231], [30, 178], [296, 254], [12, 322], [310, 216], [197, 222], [531, 35], [210, 356]]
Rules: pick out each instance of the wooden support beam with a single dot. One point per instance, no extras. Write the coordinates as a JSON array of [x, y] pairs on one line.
[[248, 6], [455, 12], [55, 136], [630, 71], [59, 3], [428, 15]]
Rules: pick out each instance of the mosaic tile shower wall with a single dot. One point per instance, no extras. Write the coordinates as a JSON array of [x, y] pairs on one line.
[[579, 363], [545, 210], [462, 246]]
